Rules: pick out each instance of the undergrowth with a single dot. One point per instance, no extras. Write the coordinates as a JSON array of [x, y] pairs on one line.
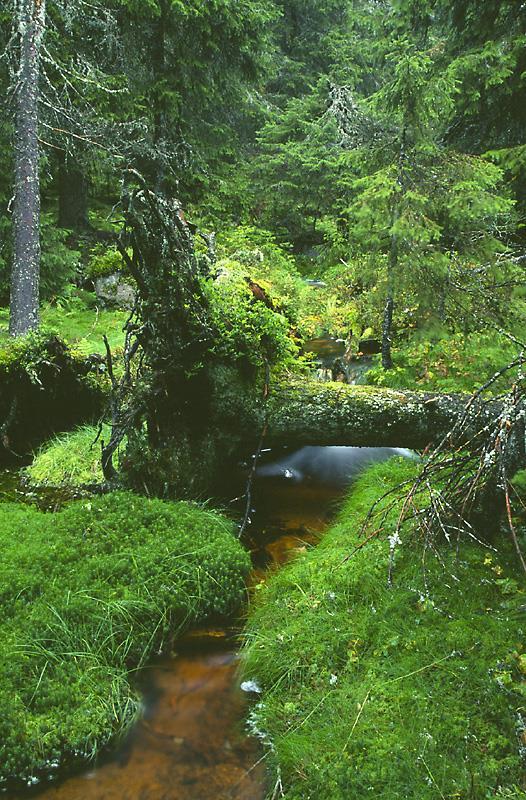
[[70, 459], [414, 692], [87, 595], [78, 321], [449, 364]]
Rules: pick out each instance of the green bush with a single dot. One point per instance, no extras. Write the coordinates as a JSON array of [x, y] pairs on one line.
[[71, 459], [410, 692], [87, 595], [247, 328], [448, 363], [104, 262]]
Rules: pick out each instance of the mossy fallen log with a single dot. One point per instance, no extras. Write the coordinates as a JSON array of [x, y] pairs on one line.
[[309, 413]]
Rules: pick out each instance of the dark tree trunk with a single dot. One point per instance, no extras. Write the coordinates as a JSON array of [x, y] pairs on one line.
[[160, 112], [72, 195], [394, 253], [387, 327], [24, 309]]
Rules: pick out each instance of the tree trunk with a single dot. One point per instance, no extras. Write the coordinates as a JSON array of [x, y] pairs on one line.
[[387, 327], [72, 195], [160, 112], [24, 309]]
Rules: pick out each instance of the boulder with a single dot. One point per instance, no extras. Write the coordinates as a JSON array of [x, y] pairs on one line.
[[113, 291]]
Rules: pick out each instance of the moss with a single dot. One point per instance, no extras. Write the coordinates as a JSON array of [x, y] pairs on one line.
[[87, 595], [78, 322], [44, 387], [71, 459], [308, 412], [412, 692]]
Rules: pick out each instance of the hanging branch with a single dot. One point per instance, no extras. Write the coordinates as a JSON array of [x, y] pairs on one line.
[[460, 472]]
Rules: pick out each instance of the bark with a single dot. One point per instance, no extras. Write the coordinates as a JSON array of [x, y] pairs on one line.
[[24, 309], [387, 327], [160, 122], [312, 413], [72, 195]]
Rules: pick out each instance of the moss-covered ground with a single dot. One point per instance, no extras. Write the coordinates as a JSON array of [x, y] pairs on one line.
[[80, 324], [87, 596], [410, 692]]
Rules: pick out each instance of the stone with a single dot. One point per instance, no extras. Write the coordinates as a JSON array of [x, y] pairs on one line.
[[113, 291]]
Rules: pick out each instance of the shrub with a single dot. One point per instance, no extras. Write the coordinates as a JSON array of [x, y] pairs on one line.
[[104, 262], [87, 595]]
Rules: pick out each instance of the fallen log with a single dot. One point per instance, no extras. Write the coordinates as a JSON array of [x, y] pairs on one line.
[[310, 413]]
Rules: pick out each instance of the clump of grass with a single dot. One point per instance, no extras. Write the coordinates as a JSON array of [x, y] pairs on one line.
[[409, 692], [87, 595], [70, 459]]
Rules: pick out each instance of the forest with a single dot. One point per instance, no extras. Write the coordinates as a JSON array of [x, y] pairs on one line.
[[263, 399]]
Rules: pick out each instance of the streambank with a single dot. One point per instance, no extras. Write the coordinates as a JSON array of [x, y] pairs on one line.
[[87, 596], [404, 693]]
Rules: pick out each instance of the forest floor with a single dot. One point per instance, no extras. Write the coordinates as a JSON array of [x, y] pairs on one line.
[[82, 326], [406, 692]]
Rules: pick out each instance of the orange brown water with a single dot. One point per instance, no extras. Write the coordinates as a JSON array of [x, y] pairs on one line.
[[190, 743]]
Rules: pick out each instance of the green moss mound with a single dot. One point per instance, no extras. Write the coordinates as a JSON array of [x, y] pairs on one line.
[[71, 459], [414, 692], [87, 595]]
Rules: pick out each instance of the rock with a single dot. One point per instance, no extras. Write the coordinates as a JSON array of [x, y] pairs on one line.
[[114, 292]]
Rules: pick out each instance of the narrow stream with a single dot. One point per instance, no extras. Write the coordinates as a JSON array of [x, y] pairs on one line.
[[190, 743]]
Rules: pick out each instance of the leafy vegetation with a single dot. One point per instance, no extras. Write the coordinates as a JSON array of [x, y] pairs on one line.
[[410, 691], [264, 172], [88, 595]]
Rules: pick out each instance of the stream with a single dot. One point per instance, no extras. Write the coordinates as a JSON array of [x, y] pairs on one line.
[[190, 742]]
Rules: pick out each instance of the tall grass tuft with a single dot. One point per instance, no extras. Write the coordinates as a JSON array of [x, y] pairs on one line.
[[70, 459]]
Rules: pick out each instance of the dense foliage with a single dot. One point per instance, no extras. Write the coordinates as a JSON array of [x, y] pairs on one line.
[[193, 190]]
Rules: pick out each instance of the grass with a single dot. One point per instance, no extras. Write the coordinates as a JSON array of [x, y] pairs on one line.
[[82, 327], [71, 459], [415, 692], [87, 595]]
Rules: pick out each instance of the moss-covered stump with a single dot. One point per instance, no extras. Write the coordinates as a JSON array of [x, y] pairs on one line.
[[44, 388], [87, 595], [414, 692]]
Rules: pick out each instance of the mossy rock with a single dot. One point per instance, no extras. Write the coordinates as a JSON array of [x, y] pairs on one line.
[[44, 388]]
